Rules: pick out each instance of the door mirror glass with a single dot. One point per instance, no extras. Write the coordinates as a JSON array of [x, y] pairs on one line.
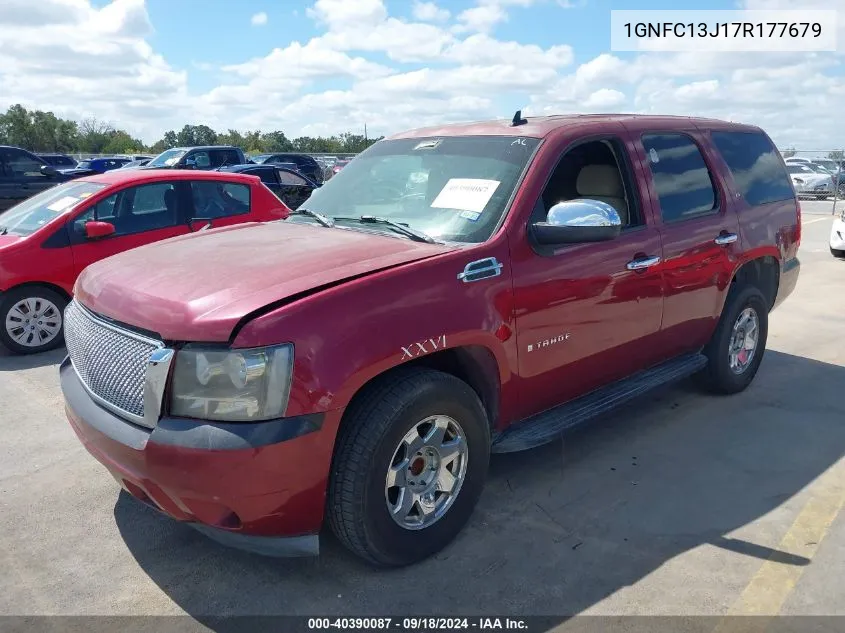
[[190, 163], [578, 221], [96, 230]]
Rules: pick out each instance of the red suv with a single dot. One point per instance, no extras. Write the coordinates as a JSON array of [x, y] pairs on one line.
[[451, 292], [47, 240]]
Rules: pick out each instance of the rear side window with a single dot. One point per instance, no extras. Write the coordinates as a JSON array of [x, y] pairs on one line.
[[18, 163], [756, 166], [219, 199], [683, 182], [220, 157], [289, 178], [266, 174]]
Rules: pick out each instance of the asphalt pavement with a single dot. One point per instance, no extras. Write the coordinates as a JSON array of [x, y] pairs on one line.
[[682, 504]]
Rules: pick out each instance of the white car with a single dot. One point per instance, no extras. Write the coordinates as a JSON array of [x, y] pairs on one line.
[[808, 182], [837, 236]]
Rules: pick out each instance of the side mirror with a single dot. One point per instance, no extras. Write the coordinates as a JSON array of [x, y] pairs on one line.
[[578, 221], [95, 230], [49, 170], [190, 163]]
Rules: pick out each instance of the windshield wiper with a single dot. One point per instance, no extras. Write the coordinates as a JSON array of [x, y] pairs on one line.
[[322, 219], [414, 234], [3, 230]]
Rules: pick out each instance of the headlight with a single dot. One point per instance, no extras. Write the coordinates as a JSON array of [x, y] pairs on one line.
[[247, 385]]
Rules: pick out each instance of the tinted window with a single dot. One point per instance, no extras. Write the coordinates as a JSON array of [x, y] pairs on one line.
[[137, 209], [219, 199], [266, 174], [18, 163], [756, 166], [288, 178], [683, 182], [220, 157]]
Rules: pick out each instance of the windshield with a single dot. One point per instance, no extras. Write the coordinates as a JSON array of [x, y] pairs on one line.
[[827, 165], [261, 158], [453, 188], [84, 164], [167, 158], [33, 213], [798, 169]]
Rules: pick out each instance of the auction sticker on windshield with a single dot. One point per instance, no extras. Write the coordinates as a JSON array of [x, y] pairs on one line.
[[465, 194], [63, 203]]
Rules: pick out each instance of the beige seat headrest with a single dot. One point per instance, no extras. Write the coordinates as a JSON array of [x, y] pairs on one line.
[[599, 180]]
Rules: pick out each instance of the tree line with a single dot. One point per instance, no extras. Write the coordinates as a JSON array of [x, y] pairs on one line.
[[40, 131], [836, 154]]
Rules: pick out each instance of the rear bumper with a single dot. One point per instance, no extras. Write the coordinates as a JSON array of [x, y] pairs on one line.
[[259, 487], [789, 271]]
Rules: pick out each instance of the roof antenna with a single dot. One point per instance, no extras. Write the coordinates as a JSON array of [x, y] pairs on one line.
[[518, 120]]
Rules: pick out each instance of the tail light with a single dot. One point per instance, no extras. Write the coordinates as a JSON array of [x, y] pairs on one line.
[[798, 228]]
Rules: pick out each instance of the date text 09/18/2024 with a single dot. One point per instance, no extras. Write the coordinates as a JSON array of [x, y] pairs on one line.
[[418, 623]]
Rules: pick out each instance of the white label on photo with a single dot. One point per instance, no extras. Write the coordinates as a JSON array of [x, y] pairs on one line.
[[466, 194], [63, 203]]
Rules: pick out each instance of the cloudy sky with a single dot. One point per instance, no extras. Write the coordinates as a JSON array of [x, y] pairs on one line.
[[326, 66]]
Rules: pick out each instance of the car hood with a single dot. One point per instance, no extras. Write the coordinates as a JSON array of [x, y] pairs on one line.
[[198, 287], [6, 240], [813, 178]]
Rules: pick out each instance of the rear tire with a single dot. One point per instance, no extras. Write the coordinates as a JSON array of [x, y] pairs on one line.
[[32, 319], [373, 451], [736, 349]]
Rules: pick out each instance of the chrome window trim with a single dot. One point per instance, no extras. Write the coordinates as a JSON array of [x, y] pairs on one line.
[[140, 420]]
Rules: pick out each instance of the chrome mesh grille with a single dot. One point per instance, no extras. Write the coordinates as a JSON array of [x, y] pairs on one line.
[[111, 362]]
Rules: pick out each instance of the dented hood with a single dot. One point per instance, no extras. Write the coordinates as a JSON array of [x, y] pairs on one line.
[[199, 286]]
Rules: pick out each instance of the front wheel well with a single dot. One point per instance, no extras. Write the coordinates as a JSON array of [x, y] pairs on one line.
[[39, 284], [473, 364], [762, 273]]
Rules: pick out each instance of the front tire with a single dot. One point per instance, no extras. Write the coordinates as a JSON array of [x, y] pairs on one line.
[[839, 254], [32, 319], [736, 349], [411, 460]]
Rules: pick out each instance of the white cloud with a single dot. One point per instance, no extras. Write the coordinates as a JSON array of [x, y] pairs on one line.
[[367, 66], [259, 19], [487, 14], [78, 61], [429, 12]]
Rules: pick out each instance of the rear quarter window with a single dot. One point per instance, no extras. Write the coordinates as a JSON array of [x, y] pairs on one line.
[[756, 166]]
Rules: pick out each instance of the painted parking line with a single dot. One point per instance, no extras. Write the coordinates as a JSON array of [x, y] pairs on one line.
[[816, 220], [775, 581]]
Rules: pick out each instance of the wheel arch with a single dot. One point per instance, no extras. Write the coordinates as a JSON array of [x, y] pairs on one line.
[[39, 284], [474, 364], [762, 272]]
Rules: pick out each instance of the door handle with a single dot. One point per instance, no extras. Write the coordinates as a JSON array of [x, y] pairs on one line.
[[643, 263], [726, 238]]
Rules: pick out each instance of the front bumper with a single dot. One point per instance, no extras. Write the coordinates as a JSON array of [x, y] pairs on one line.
[[819, 189], [259, 487], [837, 235]]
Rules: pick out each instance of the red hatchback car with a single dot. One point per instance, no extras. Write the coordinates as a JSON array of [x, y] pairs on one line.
[[47, 240]]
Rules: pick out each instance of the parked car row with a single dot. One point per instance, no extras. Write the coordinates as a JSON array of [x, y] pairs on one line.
[[47, 240], [23, 174], [543, 269], [817, 177]]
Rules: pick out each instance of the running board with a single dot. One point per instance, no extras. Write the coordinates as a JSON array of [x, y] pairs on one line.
[[548, 426]]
